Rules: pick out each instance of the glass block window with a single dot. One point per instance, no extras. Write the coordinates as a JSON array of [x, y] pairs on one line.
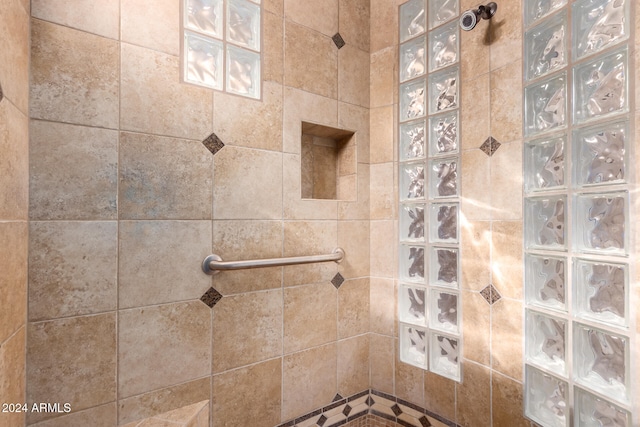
[[429, 300], [579, 332], [222, 45]]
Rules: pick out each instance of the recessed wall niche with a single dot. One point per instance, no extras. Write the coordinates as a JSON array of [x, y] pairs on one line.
[[328, 163]]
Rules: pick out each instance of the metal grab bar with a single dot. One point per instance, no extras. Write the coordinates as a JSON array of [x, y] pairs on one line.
[[214, 264]]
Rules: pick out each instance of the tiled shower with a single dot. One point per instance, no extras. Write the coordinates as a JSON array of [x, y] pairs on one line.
[[118, 179]]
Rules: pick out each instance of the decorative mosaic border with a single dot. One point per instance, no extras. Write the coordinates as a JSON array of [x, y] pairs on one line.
[[369, 402]]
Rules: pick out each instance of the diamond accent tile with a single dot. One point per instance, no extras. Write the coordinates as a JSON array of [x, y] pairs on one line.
[[213, 143], [490, 294], [396, 409], [337, 396], [490, 146], [424, 421], [338, 40], [211, 297], [321, 420], [337, 281], [370, 401], [347, 410]]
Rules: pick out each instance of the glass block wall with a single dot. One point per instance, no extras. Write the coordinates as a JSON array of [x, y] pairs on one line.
[[221, 45], [429, 250], [578, 142]]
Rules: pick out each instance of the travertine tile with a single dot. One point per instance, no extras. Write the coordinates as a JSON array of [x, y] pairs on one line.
[[354, 23], [506, 104], [74, 76], [14, 56], [506, 258], [475, 112], [353, 365], [356, 118], [384, 19], [353, 75], [382, 359], [272, 46], [14, 237], [322, 17], [72, 268], [248, 329], [382, 134], [440, 395], [74, 172], [475, 202], [162, 346], [507, 402], [353, 237], [476, 328], [473, 395], [159, 261], [353, 308], [160, 33], [474, 51], [164, 178], [383, 306], [506, 35], [309, 238], [12, 375], [382, 193], [476, 249], [506, 182], [294, 206], [98, 416], [153, 99], [409, 381], [506, 337], [310, 316], [382, 76], [309, 380], [14, 162], [358, 209], [72, 360], [101, 18], [383, 232]]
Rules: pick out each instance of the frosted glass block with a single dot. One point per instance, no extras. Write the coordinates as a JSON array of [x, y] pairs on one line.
[[443, 134], [413, 345], [243, 23], [546, 281], [546, 399], [443, 90], [412, 140], [413, 58], [444, 266], [412, 100], [600, 154], [601, 292], [412, 181], [204, 16], [413, 20], [243, 72], [443, 178], [443, 223], [544, 164], [444, 313], [594, 411], [445, 356], [545, 219], [411, 220], [601, 223], [536, 9], [598, 24], [203, 61], [412, 263], [412, 307], [546, 342], [443, 46], [441, 11], [546, 47], [600, 87], [601, 361], [545, 105]]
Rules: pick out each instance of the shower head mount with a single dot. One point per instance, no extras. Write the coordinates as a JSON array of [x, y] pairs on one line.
[[469, 19]]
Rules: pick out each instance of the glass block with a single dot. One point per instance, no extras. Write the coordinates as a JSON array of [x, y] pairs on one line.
[[413, 20], [203, 62], [412, 102], [545, 47], [443, 89], [444, 266], [243, 72], [243, 23], [601, 361], [545, 217], [444, 313], [412, 263], [413, 58], [544, 164], [443, 222], [204, 16], [412, 181], [600, 87], [443, 178], [601, 292], [412, 304], [413, 345], [537, 9], [600, 154], [545, 105], [445, 356], [443, 134], [546, 341], [411, 220], [598, 24], [441, 11], [594, 411], [412, 140], [546, 281], [443, 46], [600, 223], [546, 399]]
